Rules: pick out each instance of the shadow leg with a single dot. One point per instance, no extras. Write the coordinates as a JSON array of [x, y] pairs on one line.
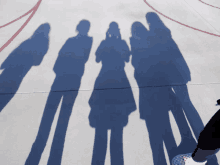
[[44, 129], [116, 146], [180, 119], [100, 146], [156, 141], [62, 124], [190, 111]]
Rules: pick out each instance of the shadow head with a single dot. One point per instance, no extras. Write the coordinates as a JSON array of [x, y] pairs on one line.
[[83, 27], [42, 29], [113, 31], [138, 30]]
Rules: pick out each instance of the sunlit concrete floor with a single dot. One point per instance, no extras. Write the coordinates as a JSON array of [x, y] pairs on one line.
[[21, 117]]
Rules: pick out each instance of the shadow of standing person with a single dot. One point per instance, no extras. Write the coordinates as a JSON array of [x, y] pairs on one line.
[[112, 100], [179, 84], [153, 100], [69, 69], [178, 75], [30, 53], [152, 73]]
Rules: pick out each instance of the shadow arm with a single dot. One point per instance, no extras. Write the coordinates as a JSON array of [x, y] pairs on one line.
[[99, 52], [58, 64], [126, 52], [87, 50]]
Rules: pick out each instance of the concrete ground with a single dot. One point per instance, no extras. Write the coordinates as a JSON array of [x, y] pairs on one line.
[[21, 116]]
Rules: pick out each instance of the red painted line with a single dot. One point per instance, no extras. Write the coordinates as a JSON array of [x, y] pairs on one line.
[[209, 4], [17, 18], [180, 22], [33, 10]]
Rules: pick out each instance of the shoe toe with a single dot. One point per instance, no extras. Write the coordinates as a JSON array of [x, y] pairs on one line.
[[180, 159]]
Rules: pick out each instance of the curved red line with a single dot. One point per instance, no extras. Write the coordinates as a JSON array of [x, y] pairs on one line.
[[209, 4], [180, 22], [17, 18], [34, 9]]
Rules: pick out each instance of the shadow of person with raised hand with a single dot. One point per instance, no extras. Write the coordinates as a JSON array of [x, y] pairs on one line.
[[112, 99], [156, 96], [69, 69], [30, 53]]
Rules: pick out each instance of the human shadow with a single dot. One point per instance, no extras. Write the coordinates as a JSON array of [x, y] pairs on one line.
[[29, 53], [112, 99], [156, 96], [180, 77], [162, 73], [69, 69]]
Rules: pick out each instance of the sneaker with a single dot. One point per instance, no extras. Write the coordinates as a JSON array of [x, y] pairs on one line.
[[186, 159]]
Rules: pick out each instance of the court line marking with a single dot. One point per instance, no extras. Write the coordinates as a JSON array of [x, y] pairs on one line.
[[180, 22], [33, 10], [209, 4]]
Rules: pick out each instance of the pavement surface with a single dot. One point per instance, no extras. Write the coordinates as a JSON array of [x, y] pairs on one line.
[[28, 74]]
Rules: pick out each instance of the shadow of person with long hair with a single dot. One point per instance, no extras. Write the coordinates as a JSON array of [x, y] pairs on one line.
[[69, 69], [112, 100], [30, 53], [178, 76], [152, 73], [179, 84]]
